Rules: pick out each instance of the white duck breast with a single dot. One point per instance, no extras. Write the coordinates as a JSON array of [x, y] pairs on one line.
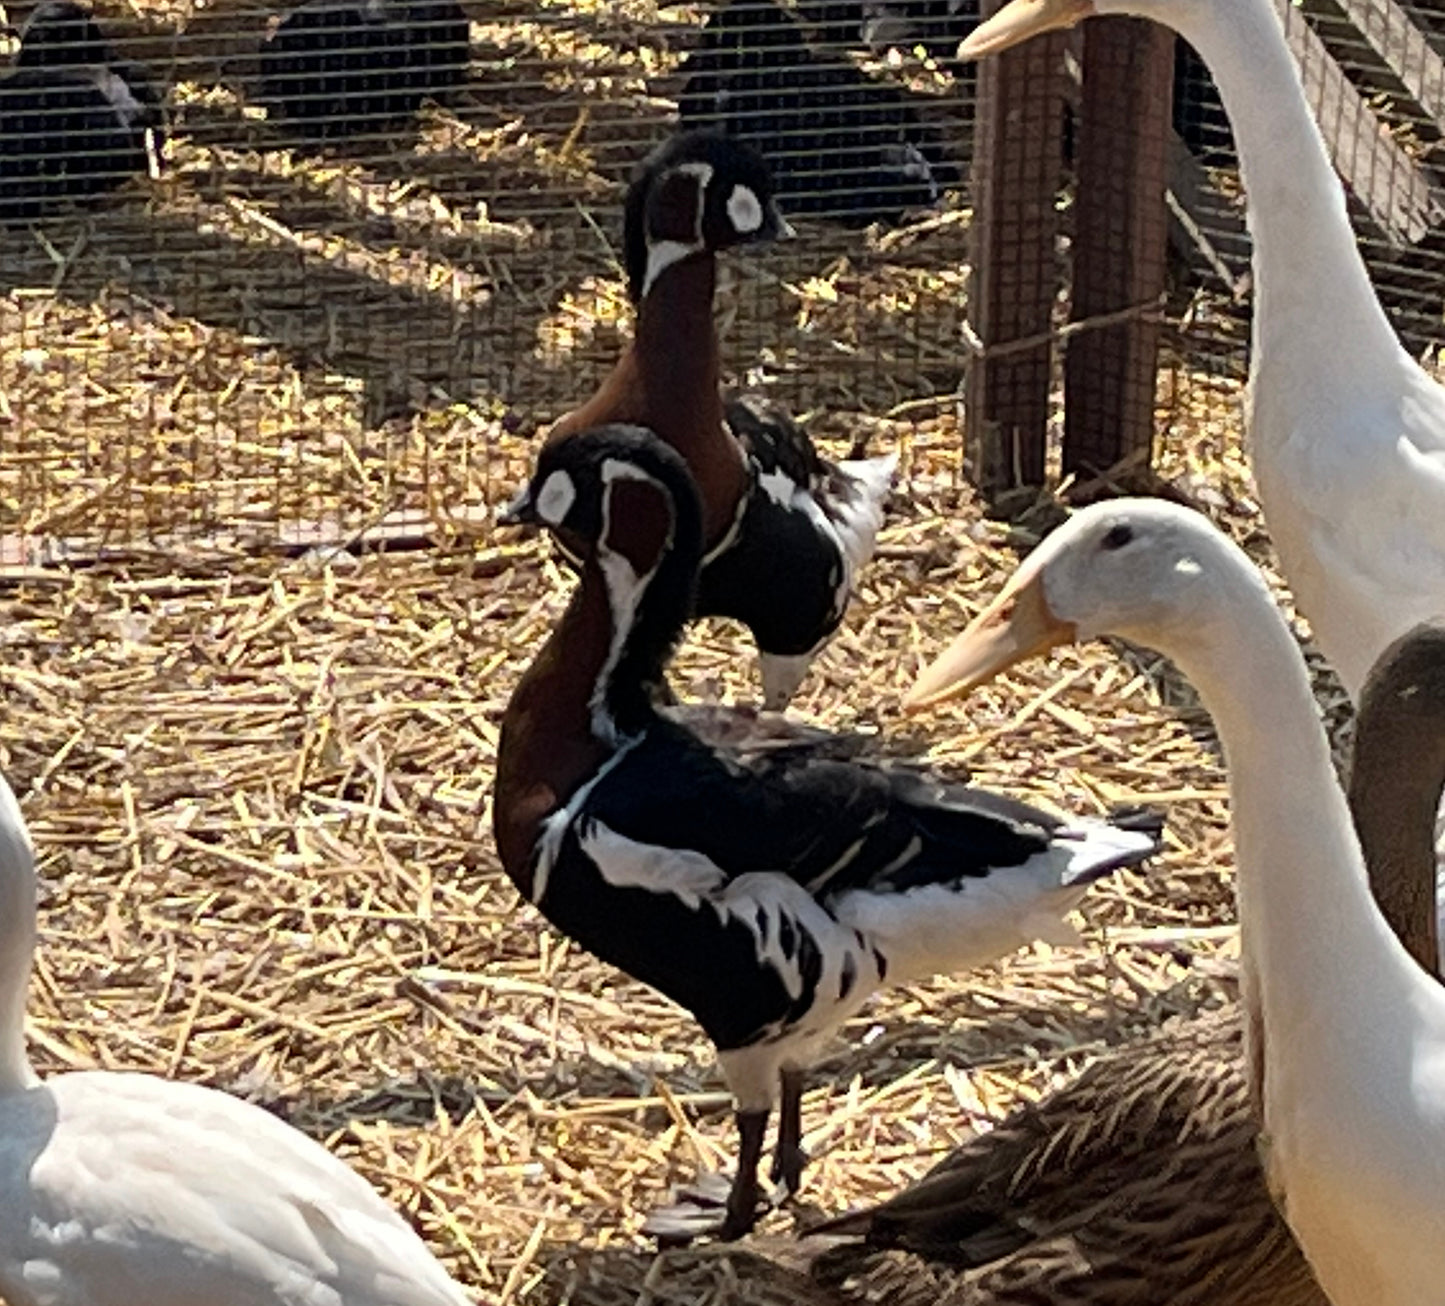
[[1347, 1031], [144, 1190], [122, 1189]]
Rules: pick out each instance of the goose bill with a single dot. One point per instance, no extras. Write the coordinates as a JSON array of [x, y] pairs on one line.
[[1015, 626], [519, 510], [1020, 19]]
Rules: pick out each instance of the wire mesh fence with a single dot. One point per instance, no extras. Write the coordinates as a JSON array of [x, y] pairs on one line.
[[271, 274]]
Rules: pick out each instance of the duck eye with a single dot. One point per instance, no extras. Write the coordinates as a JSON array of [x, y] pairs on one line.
[[1117, 536]]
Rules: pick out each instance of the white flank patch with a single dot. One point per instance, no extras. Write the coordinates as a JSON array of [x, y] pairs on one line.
[[859, 518], [556, 497], [624, 863], [788, 494], [851, 521], [555, 827], [744, 210], [697, 881]]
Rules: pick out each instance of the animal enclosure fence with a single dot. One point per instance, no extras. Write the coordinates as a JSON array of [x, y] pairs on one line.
[[373, 244]]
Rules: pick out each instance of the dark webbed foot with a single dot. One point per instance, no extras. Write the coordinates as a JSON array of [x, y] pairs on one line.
[[712, 1205]]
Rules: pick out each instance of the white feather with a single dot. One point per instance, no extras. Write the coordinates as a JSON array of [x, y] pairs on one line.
[[758, 900], [860, 516], [129, 1190], [936, 928]]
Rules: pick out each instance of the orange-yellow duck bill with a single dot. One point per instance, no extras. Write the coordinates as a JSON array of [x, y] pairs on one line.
[[1015, 626], [1020, 19]]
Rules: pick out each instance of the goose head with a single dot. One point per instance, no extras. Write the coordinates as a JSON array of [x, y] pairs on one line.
[[625, 506], [698, 193], [1143, 569]]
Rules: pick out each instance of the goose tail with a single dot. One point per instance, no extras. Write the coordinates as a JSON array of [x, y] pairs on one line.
[[1098, 848]]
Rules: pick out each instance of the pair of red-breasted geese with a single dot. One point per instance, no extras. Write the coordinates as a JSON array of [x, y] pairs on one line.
[[770, 894]]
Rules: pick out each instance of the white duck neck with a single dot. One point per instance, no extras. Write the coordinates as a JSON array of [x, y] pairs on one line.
[[1310, 925], [17, 941], [1311, 287]]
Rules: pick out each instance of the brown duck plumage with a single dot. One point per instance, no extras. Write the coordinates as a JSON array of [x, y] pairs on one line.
[[1136, 1185]]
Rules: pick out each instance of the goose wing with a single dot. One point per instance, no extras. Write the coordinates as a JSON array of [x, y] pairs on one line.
[[837, 826]]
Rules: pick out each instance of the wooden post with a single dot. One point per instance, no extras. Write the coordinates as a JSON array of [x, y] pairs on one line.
[[1120, 235], [1017, 160]]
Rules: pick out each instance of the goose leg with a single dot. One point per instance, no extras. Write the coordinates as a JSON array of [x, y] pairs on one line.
[[710, 1204], [742, 1208], [789, 1157]]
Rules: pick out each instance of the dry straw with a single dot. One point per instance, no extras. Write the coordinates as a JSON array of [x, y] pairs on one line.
[[260, 784]]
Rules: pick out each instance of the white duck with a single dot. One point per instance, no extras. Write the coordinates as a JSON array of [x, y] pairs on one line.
[[1346, 431], [1346, 1033], [127, 1190]]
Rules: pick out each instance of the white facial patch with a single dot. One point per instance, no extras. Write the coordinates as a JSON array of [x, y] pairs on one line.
[[745, 212], [662, 254], [555, 498]]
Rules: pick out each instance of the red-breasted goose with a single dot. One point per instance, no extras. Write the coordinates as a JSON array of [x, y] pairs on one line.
[[787, 530], [769, 896]]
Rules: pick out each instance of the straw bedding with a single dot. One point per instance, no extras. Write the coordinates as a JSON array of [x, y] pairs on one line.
[[261, 801], [259, 782]]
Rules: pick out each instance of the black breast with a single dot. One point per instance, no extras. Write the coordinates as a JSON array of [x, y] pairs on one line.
[[782, 578]]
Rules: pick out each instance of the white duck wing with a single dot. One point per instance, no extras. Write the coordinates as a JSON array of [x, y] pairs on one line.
[[119, 1189]]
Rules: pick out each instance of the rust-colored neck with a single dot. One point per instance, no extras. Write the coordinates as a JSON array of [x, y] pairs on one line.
[[548, 746], [677, 360]]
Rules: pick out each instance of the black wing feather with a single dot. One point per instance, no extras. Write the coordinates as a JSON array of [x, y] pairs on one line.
[[829, 825]]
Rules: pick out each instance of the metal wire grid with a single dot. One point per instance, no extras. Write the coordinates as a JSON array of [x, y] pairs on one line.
[[1376, 77], [305, 322], [359, 267]]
